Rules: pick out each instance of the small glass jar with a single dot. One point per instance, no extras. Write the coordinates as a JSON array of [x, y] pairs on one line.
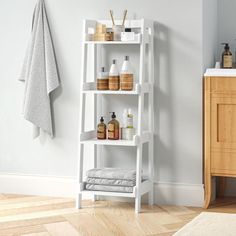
[[117, 29]]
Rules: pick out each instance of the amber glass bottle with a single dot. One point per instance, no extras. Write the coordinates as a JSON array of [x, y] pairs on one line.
[[227, 58], [113, 128], [101, 129]]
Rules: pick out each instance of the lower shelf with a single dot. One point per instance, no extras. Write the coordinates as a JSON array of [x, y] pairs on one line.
[[145, 187]]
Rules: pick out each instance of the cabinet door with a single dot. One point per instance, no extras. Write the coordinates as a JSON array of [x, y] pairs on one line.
[[223, 135]]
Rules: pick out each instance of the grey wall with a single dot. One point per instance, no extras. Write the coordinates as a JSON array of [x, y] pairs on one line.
[[210, 33], [178, 63], [227, 27]]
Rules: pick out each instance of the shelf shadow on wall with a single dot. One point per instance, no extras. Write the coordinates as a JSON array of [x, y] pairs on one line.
[[164, 144]]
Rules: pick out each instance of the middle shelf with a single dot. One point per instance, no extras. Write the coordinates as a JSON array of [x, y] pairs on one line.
[[89, 137], [90, 88]]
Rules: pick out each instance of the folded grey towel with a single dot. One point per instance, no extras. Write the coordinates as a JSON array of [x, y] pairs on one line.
[[108, 188], [39, 73], [112, 173], [111, 182]]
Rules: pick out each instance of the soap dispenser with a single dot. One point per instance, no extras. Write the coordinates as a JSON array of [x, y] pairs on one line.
[[114, 78], [101, 129], [227, 58], [102, 80], [113, 127], [126, 75]]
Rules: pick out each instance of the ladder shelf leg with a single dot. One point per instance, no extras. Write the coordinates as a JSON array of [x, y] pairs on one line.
[[138, 179], [78, 201], [81, 124], [151, 116], [80, 176], [140, 129], [95, 98], [95, 197]]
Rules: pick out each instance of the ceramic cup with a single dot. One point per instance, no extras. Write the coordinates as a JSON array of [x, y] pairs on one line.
[[217, 65]]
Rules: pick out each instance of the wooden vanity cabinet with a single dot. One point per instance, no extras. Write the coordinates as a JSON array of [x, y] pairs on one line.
[[219, 130]]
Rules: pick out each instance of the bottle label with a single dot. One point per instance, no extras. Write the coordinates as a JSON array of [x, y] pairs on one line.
[[126, 78], [101, 129], [130, 121], [111, 131], [126, 81], [101, 133], [114, 82], [102, 84], [228, 62], [114, 79]]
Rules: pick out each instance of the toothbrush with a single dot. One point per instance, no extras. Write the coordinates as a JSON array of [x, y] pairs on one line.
[[112, 18], [125, 14]]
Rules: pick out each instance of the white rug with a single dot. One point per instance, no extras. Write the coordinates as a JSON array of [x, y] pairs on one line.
[[210, 224]]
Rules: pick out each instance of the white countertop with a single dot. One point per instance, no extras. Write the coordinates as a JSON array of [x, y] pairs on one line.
[[220, 72]]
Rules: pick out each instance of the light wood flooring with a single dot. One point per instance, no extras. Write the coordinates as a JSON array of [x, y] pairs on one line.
[[45, 216]]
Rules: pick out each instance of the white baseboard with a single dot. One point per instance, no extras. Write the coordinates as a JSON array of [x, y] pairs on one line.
[[38, 185], [179, 194], [165, 193]]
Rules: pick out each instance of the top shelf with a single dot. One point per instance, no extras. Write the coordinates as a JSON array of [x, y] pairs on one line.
[[134, 24], [142, 29]]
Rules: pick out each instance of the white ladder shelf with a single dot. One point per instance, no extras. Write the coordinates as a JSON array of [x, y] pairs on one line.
[[143, 86]]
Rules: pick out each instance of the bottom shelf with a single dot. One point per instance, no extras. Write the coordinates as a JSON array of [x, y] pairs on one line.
[[114, 194], [145, 187]]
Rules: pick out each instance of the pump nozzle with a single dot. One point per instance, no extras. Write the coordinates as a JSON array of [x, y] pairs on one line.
[[113, 116], [226, 46], [102, 119]]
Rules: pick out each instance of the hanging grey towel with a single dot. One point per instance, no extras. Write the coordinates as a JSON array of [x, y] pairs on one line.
[[39, 73]]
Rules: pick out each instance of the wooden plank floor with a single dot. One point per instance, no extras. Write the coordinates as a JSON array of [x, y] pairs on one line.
[[45, 216]]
